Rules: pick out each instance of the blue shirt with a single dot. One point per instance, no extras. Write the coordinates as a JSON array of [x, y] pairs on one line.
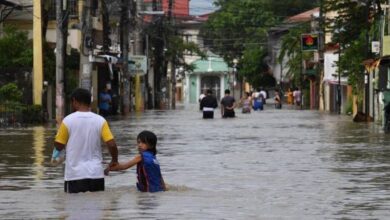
[[105, 99], [149, 174]]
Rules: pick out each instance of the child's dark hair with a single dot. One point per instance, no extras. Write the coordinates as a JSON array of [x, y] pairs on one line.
[[82, 96], [150, 139]]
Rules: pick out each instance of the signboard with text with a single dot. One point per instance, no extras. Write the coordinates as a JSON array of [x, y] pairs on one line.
[[137, 64]]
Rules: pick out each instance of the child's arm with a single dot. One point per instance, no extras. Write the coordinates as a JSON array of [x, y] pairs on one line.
[[127, 165]]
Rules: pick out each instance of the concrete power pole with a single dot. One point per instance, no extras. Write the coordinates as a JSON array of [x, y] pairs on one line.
[[86, 46], [126, 103], [38, 58], [138, 51], [60, 60]]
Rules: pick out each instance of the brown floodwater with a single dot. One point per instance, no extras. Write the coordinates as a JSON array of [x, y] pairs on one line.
[[275, 164]]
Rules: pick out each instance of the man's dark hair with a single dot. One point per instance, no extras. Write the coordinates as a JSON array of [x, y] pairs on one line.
[[209, 91], [82, 96], [150, 139], [227, 91]]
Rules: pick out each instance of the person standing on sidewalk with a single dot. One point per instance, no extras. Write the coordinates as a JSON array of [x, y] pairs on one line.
[[228, 103], [104, 102], [80, 134], [208, 104]]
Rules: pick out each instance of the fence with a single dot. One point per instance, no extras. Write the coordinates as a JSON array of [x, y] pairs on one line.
[[20, 115]]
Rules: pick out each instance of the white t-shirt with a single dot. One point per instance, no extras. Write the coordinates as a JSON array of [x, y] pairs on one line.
[[297, 95], [82, 133], [262, 92], [201, 97]]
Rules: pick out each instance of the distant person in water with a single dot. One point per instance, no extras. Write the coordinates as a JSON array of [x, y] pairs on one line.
[[148, 168], [246, 103], [257, 100], [278, 100], [208, 104], [228, 103], [204, 94]]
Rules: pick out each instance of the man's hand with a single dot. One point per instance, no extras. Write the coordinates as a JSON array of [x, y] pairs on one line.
[[113, 164], [110, 166]]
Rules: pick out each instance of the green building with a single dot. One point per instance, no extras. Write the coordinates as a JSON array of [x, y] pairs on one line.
[[211, 73]]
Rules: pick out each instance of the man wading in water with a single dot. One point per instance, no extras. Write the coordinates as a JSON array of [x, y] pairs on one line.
[[208, 104], [80, 134], [228, 103]]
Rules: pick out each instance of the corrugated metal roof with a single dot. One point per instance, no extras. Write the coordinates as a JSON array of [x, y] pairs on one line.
[[303, 17]]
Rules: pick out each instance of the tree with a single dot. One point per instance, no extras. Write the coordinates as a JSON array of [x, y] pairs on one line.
[[15, 49], [352, 30], [286, 8], [291, 47], [166, 45], [239, 30], [10, 93]]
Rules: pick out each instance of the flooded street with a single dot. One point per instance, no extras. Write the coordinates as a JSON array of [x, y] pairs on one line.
[[275, 164]]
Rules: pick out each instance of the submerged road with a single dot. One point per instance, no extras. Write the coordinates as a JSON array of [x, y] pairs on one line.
[[275, 164]]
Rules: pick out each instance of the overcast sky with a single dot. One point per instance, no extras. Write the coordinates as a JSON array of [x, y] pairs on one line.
[[198, 7]]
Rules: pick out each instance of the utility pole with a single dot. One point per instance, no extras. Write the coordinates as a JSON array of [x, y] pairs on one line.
[[138, 51], [339, 81], [321, 55], [366, 73], [61, 31], [86, 47], [126, 103], [172, 61], [37, 50], [106, 27], [158, 65]]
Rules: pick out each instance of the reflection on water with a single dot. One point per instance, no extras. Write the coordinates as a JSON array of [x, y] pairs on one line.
[[39, 144], [275, 164]]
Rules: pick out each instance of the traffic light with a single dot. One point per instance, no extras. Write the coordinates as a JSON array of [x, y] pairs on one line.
[[309, 42]]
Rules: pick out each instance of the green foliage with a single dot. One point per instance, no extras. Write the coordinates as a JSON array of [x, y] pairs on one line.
[[255, 72], [15, 49], [291, 47], [285, 8], [33, 114], [49, 63], [10, 93], [238, 30], [177, 49], [167, 45], [351, 63], [236, 26], [349, 106], [353, 29]]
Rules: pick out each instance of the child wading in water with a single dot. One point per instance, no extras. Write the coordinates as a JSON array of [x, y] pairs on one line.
[[148, 169]]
